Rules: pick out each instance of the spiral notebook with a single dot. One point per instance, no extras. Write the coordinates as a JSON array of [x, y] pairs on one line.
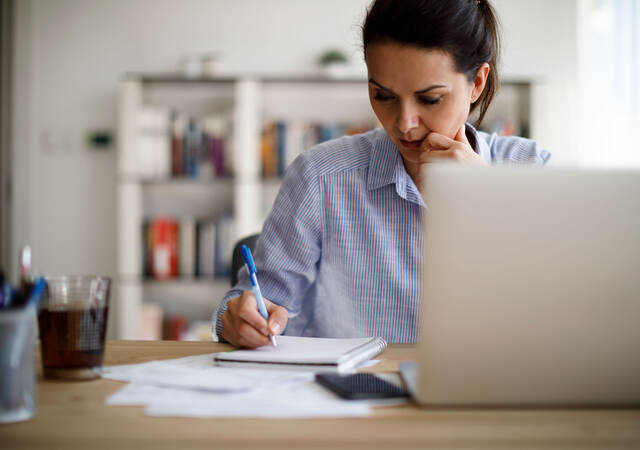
[[306, 353]]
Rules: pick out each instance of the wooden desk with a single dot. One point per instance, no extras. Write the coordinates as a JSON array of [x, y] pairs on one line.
[[72, 415]]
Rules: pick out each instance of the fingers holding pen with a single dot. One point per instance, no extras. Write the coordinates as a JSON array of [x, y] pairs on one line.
[[278, 317], [249, 337], [242, 325], [248, 311]]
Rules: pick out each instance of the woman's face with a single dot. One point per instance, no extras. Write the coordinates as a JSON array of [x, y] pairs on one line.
[[414, 91]]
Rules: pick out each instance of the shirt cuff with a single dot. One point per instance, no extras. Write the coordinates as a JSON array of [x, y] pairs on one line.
[[216, 322], [217, 325]]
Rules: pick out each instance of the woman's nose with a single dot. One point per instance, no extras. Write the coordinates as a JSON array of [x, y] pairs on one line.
[[408, 119]]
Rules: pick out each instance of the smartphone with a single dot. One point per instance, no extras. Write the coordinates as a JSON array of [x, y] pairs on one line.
[[360, 386]]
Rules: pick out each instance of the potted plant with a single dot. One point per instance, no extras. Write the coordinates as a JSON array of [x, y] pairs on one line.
[[333, 63]]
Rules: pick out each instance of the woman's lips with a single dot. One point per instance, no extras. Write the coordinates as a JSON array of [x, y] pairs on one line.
[[411, 144]]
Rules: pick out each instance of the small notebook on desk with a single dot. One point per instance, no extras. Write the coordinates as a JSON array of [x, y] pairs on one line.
[[306, 353]]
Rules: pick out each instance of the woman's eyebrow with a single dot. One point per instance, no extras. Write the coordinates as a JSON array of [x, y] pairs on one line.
[[371, 80], [421, 91], [424, 91]]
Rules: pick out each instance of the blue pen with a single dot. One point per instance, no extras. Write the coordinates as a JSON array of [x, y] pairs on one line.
[[255, 287], [37, 292]]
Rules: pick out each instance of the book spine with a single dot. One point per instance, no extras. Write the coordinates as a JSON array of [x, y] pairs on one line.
[[174, 237], [162, 147], [206, 243], [174, 327], [269, 163], [283, 141], [186, 143], [224, 241], [214, 128], [187, 247], [177, 143], [164, 248], [160, 249], [198, 243], [147, 247], [217, 155]]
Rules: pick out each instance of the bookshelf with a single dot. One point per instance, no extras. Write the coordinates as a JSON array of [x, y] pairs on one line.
[[247, 105], [147, 191]]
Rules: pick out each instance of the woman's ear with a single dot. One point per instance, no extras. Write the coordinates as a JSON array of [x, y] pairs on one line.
[[480, 81]]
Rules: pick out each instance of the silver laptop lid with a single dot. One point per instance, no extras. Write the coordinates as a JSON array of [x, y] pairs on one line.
[[531, 287]]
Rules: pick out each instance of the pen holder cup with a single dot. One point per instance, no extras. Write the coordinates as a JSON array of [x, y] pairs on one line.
[[17, 374]]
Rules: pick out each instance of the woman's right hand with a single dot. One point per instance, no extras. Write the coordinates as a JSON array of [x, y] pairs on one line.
[[243, 326]]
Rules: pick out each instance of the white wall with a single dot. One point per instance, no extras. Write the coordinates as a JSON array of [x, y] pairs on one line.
[[72, 53], [540, 41]]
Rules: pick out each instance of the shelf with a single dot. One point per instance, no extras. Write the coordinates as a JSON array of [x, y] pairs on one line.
[[196, 299], [246, 102], [185, 282], [175, 181], [182, 198], [173, 282], [176, 78], [271, 181]]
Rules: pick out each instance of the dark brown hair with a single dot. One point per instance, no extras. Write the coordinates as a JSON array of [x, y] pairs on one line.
[[466, 29]]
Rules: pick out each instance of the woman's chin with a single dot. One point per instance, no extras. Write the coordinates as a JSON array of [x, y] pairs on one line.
[[410, 156]]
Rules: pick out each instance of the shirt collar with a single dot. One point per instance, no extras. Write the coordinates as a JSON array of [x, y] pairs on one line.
[[383, 161], [386, 166], [480, 145]]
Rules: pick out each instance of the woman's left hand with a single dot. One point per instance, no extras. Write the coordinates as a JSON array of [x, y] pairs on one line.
[[438, 147]]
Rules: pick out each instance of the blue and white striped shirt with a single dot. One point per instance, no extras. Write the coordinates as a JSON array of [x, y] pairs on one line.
[[340, 249]]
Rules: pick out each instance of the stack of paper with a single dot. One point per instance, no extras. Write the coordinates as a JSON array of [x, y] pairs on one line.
[[195, 387]]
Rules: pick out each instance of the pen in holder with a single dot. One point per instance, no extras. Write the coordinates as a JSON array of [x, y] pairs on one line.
[[17, 341]]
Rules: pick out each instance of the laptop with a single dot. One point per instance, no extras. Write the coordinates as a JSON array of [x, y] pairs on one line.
[[530, 288]]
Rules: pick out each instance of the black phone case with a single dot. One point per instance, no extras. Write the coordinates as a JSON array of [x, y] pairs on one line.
[[360, 386]]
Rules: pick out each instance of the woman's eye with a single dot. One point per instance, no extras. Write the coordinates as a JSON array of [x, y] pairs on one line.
[[383, 97], [430, 100]]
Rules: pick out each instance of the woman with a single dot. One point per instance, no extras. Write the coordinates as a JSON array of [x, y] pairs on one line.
[[339, 254]]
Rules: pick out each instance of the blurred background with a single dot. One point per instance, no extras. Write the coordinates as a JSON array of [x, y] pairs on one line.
[[141, 138]]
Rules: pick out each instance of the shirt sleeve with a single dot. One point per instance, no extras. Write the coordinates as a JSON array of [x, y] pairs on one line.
[[516, 150], [288, 250]]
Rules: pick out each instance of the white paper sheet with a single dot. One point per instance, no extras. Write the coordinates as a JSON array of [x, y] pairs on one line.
[[195, 387], [290, 400], [199, 372]]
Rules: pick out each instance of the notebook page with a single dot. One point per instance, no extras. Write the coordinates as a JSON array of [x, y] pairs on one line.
[[298, 350]]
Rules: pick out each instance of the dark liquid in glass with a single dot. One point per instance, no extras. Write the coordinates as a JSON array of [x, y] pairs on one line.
[[72, 338]]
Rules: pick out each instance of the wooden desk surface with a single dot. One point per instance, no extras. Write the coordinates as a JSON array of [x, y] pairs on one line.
[[72, 415]]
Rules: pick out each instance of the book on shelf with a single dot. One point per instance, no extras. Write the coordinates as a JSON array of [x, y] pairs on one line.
[[152, 145], [206, 240], [282, 141], [171, 143], [225, 240], [174, 327], [160, 237], [188, 247]]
